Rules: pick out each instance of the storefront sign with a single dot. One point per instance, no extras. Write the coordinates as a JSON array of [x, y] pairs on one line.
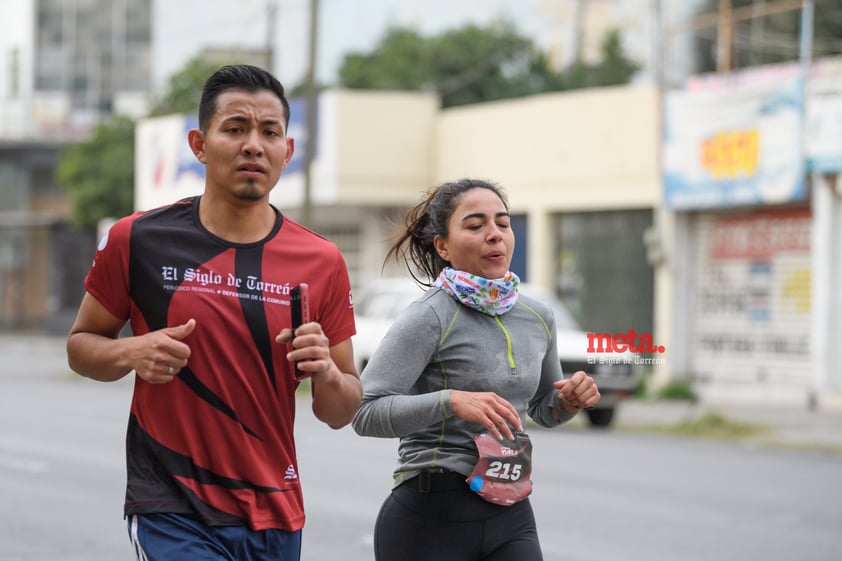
[[753, 296], [734, 145], [824, 125]]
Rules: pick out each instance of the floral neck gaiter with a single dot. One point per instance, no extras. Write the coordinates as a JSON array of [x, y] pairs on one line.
[[492, 297]]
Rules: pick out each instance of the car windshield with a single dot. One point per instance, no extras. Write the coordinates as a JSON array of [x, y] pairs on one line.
[[387, 299]]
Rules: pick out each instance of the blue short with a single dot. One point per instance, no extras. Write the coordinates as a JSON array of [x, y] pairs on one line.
[[167, 537]]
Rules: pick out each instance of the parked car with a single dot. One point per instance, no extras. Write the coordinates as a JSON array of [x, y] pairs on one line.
[[616, 375]]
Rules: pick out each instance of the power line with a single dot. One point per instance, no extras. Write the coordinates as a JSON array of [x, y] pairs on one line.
[[771, 42], [311, 95], [725, 20], [713, 19]]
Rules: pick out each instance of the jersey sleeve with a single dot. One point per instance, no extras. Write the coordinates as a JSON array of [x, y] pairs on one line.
[[336, 315], [108, 278]]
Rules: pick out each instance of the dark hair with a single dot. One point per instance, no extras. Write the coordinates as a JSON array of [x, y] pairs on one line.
[[239, 76], [428, 219]]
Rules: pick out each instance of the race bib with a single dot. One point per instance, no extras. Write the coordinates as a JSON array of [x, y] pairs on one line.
[[503, 474]]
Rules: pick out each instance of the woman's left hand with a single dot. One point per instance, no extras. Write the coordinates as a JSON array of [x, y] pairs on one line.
[[577, 392]]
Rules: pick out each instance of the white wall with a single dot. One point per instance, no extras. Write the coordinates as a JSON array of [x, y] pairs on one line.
[[16, 34], [383, 145]]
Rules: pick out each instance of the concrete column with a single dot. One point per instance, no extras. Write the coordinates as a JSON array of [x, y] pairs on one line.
[[541, 260], [826, 294]]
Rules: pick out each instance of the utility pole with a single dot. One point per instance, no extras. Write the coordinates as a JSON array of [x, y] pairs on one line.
[[271, 22], [578, 43], [758, 28], [805, 60], [727, 16], [724, 37], [806, 45], [311, 95]]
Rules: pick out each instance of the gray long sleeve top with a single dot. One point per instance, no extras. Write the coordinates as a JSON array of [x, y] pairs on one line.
[[437, 345]]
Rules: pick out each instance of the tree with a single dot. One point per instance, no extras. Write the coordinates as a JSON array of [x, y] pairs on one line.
[[473, 64], [770, 39], [401, 61], [470, 64], [184, 88], [614, 69], [98, 174]]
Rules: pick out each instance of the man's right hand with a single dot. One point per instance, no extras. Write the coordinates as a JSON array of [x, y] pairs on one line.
[[159, 355]]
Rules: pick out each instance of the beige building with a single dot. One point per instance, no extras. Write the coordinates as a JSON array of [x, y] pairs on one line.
[[587, 151]]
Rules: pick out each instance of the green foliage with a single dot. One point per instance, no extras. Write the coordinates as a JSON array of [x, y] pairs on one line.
[[770, 39], [98, 174], [715, 425], [184, 88], [678, 389], [401, 62], [641, 390], [614, 70], [305, 388], [472, 64], [710, 424]]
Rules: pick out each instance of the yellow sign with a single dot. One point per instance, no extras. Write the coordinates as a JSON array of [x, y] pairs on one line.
[[729, 155]]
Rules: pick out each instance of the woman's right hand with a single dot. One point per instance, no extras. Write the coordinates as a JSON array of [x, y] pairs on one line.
[[490, 410]]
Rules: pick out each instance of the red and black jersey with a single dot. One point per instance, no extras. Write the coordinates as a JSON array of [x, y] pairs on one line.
[[218, 440]]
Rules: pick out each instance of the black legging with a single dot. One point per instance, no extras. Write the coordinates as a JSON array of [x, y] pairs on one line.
[[453, 526]]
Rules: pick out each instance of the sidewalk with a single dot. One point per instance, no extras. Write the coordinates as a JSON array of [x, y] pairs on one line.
[[786, 426]]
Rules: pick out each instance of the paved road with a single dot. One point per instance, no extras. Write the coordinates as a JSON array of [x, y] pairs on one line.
[[602, 495], [599, 495], [61, 465]]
